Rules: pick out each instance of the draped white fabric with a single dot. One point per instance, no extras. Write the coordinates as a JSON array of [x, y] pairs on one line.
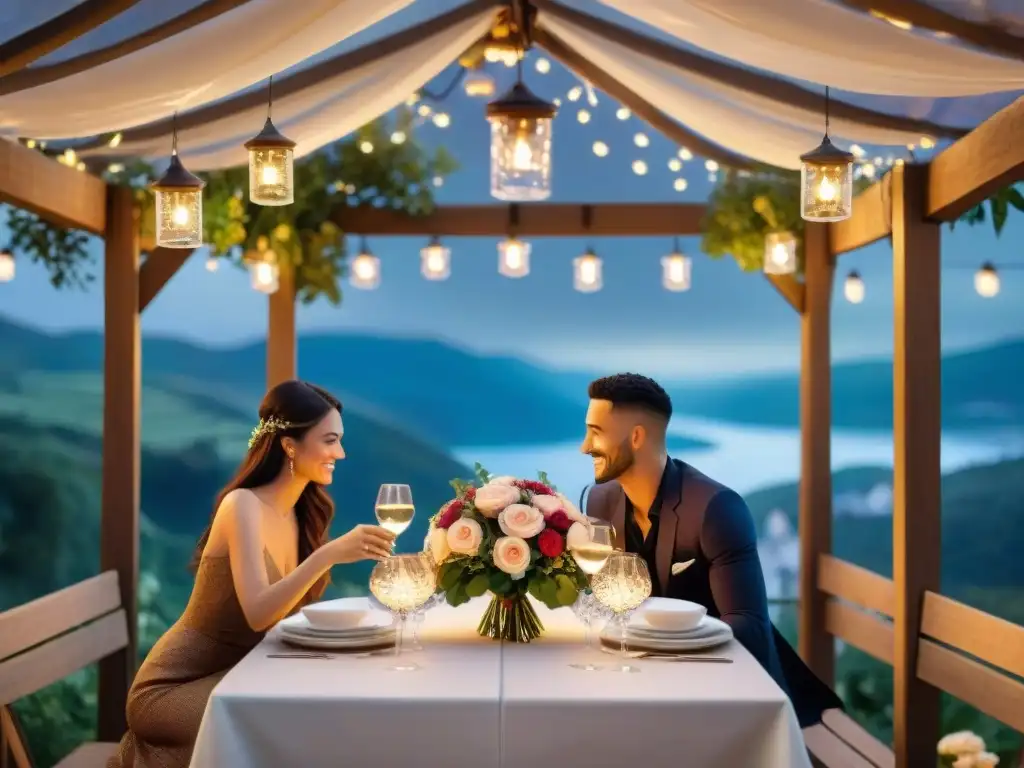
[[821, 41], [757, 125], [322, 113], [215, 59], [744, 123]]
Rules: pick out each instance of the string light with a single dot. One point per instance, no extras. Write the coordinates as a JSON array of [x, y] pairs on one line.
[[986, 280], [639, 167], [685, 154], [514, 258], [212, 264], [679, 185], [587, 272], [600, 149], [583, 116], [366, 147], [264, 271], [675, 165], [435, 260], [623, 113], [398, 137], [543, 66], [853, 288], [675, 269], [442, 119], [479, 84], [779, 253], [641, 140], [424, 110], [365, 269], [575, 93], [7, 269]]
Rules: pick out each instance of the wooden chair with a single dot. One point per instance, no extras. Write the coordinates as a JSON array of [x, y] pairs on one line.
[[46, 640], [839, 742]]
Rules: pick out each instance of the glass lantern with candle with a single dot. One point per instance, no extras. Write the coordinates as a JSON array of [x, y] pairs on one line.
[[587, 273], [6, 265], [826, 183], [179, 207], [365, 270], [520, 145], [271, 167], [513, 258], [264, 272], [986, 280], [853, 288], [779, 253], [435, 260]]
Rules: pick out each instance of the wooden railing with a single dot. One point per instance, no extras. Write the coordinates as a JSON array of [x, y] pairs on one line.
[[972, 655]]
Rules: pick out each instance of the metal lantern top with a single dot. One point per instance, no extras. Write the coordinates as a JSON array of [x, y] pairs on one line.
[[520, 103], [269, 138], [177, 178], [826, 154]]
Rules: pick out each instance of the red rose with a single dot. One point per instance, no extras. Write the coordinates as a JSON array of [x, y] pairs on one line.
[[559, 521], [450, 514], [470, 494], [550, 543], [535, 486]]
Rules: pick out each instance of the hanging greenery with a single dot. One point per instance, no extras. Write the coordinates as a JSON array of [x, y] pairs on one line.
[[302, 236], [744, 208]]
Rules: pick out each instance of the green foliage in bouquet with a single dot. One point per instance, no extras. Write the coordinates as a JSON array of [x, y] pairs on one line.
[[300, 236]]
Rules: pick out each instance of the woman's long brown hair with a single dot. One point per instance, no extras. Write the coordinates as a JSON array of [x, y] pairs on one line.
[[301, 405]]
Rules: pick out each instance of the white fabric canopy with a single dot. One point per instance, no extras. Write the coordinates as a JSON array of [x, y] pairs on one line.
[[322, 113], [745, 123], [821, 41], [213, 60]]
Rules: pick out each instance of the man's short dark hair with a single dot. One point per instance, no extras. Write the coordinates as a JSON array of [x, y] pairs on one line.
[[632, 389]]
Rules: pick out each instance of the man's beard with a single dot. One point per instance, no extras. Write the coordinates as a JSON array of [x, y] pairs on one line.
[[621, 460]]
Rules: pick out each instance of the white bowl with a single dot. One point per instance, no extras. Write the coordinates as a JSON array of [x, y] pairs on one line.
[[673, 615], [345, 613]]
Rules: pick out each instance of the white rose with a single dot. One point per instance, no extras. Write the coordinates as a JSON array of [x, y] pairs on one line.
[[521, 520], [503, 480], [986, 760], [437, 544], [965, 761], [465, 536], [961, 743], [512, 555], [578, 535], [548, 504], [492, 498], [571, 509]]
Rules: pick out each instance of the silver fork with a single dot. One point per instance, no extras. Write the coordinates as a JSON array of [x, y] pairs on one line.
[[664, 656]]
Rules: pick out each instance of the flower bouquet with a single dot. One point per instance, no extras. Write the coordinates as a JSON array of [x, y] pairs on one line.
[[508, 536], [965, 749]]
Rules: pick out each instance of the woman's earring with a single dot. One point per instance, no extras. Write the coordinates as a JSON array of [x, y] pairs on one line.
[[291, 465]]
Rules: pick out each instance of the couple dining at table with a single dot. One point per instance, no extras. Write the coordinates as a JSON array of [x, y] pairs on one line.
[[267, 552]]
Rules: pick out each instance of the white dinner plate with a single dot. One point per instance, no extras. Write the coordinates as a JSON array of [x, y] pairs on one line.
[[648, 642], [373, 624], [707, 627], [381, 640]]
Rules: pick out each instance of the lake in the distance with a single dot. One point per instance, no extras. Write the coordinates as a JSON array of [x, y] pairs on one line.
[[745, 458]]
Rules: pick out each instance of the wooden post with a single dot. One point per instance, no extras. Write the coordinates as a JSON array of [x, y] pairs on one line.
[[281, 339], [122, 391], [917, 474], [816, 646]]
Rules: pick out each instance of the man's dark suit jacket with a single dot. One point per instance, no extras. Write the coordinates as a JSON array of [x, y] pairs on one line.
[[704, 521]]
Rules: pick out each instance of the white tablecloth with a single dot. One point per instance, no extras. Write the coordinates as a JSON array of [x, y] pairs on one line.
[[476, 703]]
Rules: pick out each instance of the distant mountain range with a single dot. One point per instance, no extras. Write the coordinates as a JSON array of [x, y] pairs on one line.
[[451, 396]]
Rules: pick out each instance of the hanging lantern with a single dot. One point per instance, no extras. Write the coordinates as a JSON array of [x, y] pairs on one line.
[[212, 264], [675, 269], [264, 272], [853, 288], [365, 269], [179, 206], [826, 180], [986, 280], [514, 258], [271, 158], [779, 253], [479, 84], [435, 260], [586, 272], [6, 265], [520, 144]]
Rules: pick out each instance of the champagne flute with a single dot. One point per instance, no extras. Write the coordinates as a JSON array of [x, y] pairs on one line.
[[403, 583], [394, 507], [591, 555], [623, 585]]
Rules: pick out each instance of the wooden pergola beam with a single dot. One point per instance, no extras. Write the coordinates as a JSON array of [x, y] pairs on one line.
[[54, 192], [159, 267], [57, 32], [534, 220], [642, 108], [927, 16], [871, 220], [791, 289], [977, 166], [282, 341]]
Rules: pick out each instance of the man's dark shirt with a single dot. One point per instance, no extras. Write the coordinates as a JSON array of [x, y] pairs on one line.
[[634, 536]]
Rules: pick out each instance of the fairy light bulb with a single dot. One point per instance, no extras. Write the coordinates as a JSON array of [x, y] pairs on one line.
[[853, 288], [986, 281]]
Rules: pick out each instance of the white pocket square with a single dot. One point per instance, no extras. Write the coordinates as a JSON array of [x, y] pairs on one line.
[[678, 568]]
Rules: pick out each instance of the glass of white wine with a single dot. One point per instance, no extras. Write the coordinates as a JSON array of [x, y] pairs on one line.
[[591, 556], [394, 507], [623, 585]]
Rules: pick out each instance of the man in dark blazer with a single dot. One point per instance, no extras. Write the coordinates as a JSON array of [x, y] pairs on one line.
[[696, 535]]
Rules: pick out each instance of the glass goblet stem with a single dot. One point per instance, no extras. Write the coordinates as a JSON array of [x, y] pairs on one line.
[[399, 633], [622, 640]]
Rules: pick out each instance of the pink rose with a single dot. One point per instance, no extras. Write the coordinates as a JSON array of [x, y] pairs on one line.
[[437, 544], [578, 535], [512, 555], [503, 480], [550, 543], [547, 504], [492, 498], [465, 536], [521, 520], [571, 509]]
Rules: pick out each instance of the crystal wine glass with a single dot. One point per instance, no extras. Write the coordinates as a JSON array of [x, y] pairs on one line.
[[394, 507], [420, 614], [590, 556], [403, 583], [623, 585]]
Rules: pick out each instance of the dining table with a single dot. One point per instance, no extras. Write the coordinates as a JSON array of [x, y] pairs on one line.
[[483, 703]]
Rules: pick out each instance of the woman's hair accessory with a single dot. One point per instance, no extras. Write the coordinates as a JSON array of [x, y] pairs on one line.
[[267, 427]]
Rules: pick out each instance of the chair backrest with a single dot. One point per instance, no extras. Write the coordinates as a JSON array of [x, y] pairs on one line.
[[840, 742], [47, 639]]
